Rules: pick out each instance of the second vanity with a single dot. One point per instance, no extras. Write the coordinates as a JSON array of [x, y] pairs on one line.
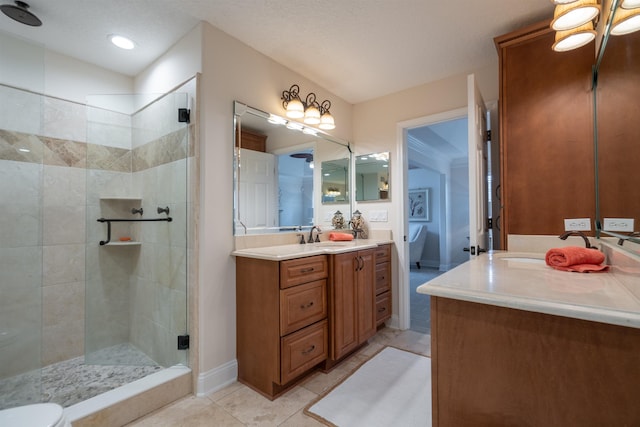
[[517, 343], [300, 307]]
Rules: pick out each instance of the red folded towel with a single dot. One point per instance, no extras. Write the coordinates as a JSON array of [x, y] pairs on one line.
[[575, 258], [340, 236]]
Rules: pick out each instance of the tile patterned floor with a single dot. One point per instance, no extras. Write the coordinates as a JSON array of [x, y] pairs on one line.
[[237, 405]]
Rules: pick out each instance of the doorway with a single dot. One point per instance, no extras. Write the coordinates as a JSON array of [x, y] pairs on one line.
[[437, 167], [460, 187]]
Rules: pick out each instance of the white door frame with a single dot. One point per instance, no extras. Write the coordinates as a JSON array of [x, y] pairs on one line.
[[402, 227]]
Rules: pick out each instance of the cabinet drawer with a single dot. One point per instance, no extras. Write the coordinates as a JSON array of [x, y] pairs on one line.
[[383, 279], [383, 307], [302, 305], [303, 350], [302, 270], [383, 253]]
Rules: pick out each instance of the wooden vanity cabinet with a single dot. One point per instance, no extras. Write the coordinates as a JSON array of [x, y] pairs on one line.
[[352, 299], [281, 317], [383, 284], [497, 366]]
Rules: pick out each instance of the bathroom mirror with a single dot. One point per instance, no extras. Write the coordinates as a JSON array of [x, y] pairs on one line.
[[617, 135], [278, 173], [335, 181], [372, 177]]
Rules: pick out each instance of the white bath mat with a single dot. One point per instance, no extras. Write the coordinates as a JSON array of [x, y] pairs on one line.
[[391, 389]]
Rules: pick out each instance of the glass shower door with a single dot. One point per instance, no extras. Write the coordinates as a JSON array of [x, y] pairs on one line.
[[21, 249], [136, 259]]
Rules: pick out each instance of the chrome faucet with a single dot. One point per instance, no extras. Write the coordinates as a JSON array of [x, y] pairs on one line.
[[587, 245], [310, 240]]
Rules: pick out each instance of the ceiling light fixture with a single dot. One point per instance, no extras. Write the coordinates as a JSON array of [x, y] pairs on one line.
[[121, 41], [314, 113]]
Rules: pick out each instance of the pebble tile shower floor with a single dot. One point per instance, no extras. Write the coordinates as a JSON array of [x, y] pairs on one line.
[[72, 381]]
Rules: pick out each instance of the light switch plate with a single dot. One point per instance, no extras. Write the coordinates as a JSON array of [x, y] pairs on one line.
[[577, 224], [379, 216], [618, 224]]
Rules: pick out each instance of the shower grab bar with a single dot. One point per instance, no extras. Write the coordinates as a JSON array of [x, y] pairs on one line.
[[110, 220]]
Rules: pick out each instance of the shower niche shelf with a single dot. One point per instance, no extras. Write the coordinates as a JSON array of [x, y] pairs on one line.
[[118, 243], [125, 214]]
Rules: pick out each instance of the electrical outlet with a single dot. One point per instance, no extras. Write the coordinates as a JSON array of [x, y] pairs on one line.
[[618, 224], [577, 224]]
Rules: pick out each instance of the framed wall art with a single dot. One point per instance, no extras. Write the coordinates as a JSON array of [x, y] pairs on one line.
[[419, 207]]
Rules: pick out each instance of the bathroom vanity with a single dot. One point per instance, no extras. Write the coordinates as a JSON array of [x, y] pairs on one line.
[[300, 307], [515, 342]]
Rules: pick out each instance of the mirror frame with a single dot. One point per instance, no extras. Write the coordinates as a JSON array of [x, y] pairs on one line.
[[362, 160], [239, 110]]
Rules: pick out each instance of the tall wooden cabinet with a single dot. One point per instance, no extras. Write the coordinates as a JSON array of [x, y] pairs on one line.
[[546, 133], [352, 294]]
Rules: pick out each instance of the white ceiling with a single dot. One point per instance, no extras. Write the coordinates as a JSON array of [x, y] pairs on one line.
[[357, 49]]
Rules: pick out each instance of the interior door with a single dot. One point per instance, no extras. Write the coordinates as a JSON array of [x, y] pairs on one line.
[[258, 189], [478, 200]]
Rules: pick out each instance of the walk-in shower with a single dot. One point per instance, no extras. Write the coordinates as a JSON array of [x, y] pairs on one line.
[[77, 317]]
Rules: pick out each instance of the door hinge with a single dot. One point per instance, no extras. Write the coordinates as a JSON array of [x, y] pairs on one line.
[[183, 342], [184, 115], [488, 136], [489, 223]]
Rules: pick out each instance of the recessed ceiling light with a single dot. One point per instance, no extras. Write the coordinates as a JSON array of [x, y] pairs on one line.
[[121, 42]]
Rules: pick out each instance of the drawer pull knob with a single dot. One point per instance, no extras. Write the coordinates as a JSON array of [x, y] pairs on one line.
[[309, 350], [380, 310], [308, 305], [306, 270]]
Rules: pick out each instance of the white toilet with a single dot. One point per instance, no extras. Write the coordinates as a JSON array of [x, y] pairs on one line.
[[38, 415]]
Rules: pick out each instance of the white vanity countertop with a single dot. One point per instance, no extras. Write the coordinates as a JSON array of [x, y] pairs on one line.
[[523, 281], [284, 252]]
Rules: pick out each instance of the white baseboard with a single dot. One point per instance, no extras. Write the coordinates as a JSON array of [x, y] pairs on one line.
[[217, 378]]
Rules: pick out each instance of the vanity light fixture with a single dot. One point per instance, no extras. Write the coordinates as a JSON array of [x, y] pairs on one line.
[[121, 41], [276, 120], [626, 21], [333, 192], [574, 38], [574, 14], [570, 34], [313, 112], [630, 4]]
